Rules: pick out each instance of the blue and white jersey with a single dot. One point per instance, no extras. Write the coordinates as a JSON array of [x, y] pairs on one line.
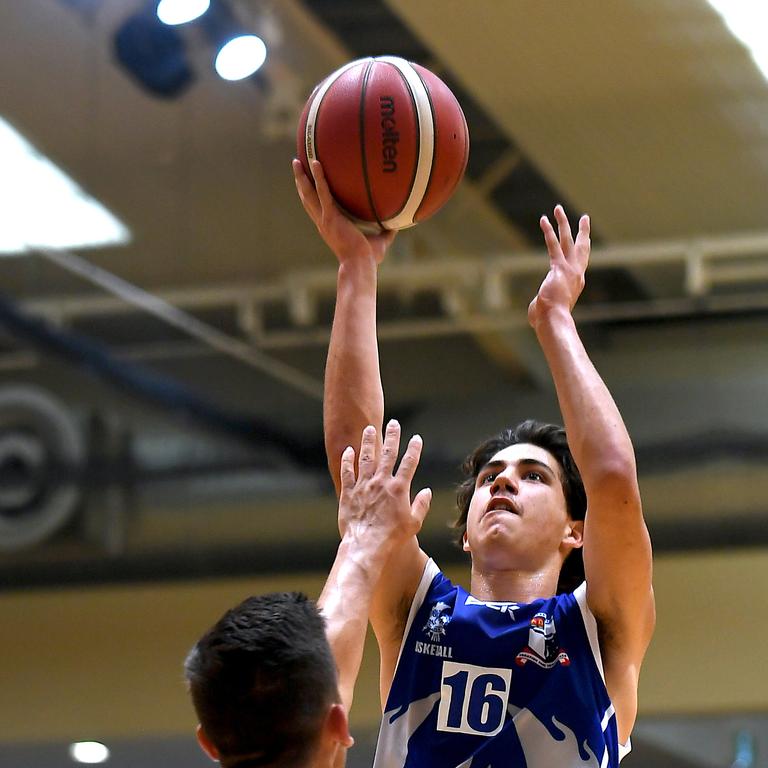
[[497, 685]]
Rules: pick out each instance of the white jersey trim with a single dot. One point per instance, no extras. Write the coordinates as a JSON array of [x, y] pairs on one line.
[[430, 571], [391, 753], [590, 624]]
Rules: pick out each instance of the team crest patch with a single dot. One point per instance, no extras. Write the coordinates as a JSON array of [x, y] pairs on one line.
[[437, 621], [543, 648]]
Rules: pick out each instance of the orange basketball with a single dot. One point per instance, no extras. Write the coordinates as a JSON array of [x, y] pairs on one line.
[[392, 140]]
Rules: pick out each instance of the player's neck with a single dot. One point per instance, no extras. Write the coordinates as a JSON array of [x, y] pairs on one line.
[[512, 585]]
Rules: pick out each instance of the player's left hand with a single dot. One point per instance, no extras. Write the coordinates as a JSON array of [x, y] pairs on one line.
[[567, 265]]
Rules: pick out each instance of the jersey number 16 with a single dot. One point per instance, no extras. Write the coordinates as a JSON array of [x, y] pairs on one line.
[[473, 699]]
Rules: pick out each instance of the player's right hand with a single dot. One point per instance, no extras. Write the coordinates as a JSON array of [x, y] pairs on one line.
[[338, 232]]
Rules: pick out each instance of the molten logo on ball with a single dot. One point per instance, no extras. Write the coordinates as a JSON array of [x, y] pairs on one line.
[[389, 136]]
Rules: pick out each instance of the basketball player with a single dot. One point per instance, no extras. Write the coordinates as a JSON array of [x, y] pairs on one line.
[[263, 680], [510, 673]]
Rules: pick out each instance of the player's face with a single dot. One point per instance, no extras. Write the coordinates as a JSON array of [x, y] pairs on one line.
[[518, 515]]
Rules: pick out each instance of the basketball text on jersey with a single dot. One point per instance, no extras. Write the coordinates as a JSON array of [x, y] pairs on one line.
[[429, 649]]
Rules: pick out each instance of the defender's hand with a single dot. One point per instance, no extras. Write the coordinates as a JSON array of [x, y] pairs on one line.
[[338, 232], [375, 508], [567, 265]]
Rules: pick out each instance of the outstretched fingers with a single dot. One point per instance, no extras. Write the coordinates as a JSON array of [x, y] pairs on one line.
[[367, 452], [583, 241], [564, 230], [307, 192], [327, 203], [390, 448], [551, 240], [348, 469], [561, 245], [420, 506], [410, 460]]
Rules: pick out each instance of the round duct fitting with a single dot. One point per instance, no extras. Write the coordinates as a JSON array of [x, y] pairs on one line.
[[42, 452]]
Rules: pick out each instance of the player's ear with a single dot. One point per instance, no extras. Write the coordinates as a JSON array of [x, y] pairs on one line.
[[206, 744], [574, 535], [465, 543]]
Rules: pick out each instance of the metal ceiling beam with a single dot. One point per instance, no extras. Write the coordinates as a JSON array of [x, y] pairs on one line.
[[181, 320], [707, 263]]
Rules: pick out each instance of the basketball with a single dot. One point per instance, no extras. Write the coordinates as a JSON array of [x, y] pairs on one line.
[[391, 137]]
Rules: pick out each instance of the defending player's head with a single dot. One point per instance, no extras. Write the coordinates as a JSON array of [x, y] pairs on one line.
[[263, 684], [528, 472]]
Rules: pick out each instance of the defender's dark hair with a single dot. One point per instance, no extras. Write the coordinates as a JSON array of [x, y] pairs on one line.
[[262, 680], [551, 438]]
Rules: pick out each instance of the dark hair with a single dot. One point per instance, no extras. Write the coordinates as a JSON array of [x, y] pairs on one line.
[[551, 438], [262, 680]]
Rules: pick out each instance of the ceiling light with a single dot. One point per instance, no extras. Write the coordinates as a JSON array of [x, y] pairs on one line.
[[748, 21], [181, 11], [88, 752], [42, 206], [240, 57]]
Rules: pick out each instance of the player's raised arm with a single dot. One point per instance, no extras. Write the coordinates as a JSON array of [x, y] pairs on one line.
[[617, 549], [353, 394], [377, 516]]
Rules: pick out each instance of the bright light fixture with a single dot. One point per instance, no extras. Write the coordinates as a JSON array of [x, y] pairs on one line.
[[181, 11], [88, 752], [41, 206], [747, 20], [240, 57]]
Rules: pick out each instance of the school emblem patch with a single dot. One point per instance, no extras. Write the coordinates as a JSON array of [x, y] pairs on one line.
[[543, 648], [437, 621]]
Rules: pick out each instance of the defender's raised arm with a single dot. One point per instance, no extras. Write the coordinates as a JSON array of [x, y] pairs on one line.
[[376, 515]]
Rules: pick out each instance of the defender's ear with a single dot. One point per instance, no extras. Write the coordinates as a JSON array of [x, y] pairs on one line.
[[465, 543], [337, 726], [206, 744]]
